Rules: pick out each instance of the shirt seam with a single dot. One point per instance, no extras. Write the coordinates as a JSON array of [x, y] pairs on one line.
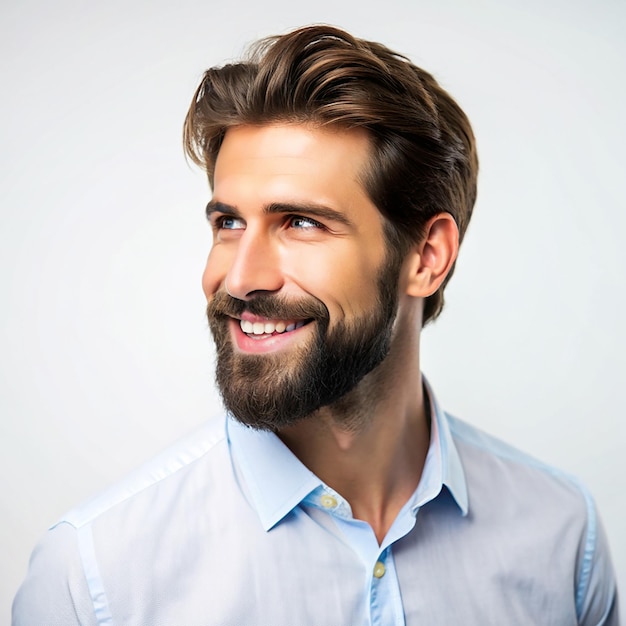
[[93, 577], [78, 517], [513, 455], [587, 561]]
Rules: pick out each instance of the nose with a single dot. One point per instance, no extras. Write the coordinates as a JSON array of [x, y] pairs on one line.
[[255, 267]]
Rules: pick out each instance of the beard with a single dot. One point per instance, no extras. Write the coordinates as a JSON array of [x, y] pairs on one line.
[[272, 391]]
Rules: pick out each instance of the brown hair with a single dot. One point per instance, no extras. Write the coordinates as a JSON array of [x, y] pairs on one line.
[[423, 158]]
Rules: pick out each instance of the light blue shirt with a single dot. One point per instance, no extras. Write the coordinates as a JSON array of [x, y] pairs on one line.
[[229, 528]]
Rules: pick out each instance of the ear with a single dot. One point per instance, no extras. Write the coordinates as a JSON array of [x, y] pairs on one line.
[[432, 258]]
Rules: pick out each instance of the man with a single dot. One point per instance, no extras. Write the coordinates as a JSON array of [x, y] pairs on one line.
[[337, 492]]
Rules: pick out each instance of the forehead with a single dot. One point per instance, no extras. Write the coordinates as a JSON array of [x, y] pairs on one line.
[[292, 161]]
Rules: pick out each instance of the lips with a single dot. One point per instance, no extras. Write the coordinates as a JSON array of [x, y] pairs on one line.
[[265, 323], [262, 335]]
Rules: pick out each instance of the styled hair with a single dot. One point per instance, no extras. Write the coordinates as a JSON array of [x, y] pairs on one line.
[[423, 155]]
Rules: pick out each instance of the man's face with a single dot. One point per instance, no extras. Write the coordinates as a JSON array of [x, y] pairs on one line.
[[301, 295]]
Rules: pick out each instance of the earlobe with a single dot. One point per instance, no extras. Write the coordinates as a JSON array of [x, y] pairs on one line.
[[432, 258]]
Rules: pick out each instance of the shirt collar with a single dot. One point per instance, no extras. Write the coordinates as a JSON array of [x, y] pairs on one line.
[[443, 465], [277, 481]]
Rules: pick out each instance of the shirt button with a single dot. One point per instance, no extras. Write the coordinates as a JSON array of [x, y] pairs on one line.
[[328, 502], [379, 570]]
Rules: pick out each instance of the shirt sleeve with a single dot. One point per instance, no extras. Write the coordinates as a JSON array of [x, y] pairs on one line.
[[597, 588], [55, 591]]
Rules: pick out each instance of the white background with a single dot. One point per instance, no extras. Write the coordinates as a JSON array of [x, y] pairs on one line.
[[104, 352]]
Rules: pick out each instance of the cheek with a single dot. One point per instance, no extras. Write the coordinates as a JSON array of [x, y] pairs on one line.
[[344, 279], [213, 275]]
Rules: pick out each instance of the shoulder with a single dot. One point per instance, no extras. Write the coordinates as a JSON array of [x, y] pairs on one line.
[[511, 487], [122, 530], [205, 446], [55, 590], [548, 512], [481, 451]]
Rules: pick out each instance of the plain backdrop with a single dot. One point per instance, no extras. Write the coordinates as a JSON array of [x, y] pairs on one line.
[[105, 355]]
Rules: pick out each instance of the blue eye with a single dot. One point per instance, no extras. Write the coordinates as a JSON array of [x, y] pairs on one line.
[[304, 222], [227, 222]]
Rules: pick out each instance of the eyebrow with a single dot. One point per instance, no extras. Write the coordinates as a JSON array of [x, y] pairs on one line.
[[220, 207], [307, 208]]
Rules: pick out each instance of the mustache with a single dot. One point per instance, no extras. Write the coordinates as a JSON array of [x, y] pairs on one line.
[[267, 305]]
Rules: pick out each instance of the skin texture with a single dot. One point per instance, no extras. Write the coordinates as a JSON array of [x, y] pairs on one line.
[[323, 240]]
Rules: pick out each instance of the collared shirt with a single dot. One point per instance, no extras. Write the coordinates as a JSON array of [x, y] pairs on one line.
[[229, 528]]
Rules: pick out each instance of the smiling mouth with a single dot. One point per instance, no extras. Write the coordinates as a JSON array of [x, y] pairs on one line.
[[259, 330]]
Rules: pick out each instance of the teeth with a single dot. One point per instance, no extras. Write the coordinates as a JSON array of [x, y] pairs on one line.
[[268, 328]]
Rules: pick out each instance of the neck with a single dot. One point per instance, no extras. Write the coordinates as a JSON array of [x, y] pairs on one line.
[[371, 445]]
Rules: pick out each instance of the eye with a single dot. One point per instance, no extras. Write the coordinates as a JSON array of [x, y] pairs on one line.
[[228, 222], [304, 223]]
